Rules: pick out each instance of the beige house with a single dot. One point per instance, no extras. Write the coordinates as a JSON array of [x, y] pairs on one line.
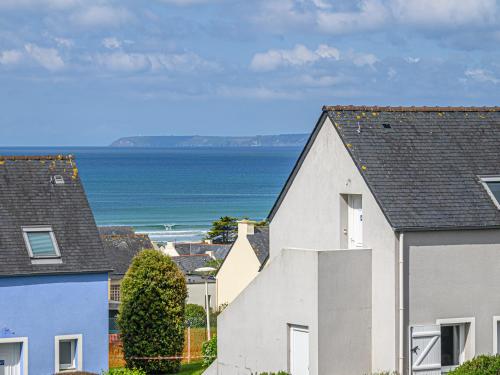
[[246, 258]]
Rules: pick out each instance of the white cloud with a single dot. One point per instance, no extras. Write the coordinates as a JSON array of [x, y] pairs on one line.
[[481, 75], [38, 4], [63, 42], [282, 14], [412, 60], [134, 62], [321, 81], [439, 13], [101, 15], [10, 57], [298, 56], [123, 62], [256, 93], [372, 15], [187, 2], [363, 59], [47, 57], [111, 43]]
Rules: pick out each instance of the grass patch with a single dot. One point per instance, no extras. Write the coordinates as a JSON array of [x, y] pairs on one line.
[[195, 368]]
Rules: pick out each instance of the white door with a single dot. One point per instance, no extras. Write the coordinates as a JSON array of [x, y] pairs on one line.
[[299, 350], [10, 359], [355, 221], [425, 350]]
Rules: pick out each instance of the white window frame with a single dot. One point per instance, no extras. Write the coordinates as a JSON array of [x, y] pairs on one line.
[[484, 181], [496, 320], [41, 259], [24, 349], [467, 347], [77, 357]]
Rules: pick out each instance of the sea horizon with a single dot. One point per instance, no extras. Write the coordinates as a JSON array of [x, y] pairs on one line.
[[173, 194]]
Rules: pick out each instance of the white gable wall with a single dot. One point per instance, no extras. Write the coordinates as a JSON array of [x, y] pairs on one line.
[[310, 217], [239, 268]]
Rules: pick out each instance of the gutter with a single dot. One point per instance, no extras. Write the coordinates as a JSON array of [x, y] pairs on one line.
[[401, 304]]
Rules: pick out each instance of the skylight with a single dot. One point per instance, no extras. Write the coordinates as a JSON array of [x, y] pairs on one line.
[[492, 185], [41, 242]]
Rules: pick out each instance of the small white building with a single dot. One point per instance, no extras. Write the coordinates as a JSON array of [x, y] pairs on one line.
[[384, 249], [244, 261]]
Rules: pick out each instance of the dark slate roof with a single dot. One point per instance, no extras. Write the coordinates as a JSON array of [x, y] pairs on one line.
[[422, 163], [116, 230], [260, 243], [121, 249], [220, 251], [189, 263], [29, 198]]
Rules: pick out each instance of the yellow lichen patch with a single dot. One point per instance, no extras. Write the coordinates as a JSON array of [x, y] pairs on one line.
[[2, 162], [59, 157], [374, 114], [336, 124], [75, 173], [358, 117], [440, 114], [349, 145], [363, 167]]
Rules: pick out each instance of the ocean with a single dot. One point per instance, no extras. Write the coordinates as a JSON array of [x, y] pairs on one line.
[[174, 194]]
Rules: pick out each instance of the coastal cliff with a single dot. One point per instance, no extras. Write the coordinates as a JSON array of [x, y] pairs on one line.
[[281, 140]]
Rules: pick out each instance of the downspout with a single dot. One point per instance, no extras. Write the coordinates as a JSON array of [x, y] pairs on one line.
[[401, 303]]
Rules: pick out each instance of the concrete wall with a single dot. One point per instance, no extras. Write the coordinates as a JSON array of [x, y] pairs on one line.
[[42, 307], [196, 294], [345, 298], [310, 217], [329, 292], [454, 275], [239, 268], [253, 329]]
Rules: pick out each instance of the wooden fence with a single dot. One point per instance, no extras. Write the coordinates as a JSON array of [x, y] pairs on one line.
[[193, 341]]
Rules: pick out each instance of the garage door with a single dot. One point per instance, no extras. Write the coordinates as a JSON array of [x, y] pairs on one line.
[[10, 359]]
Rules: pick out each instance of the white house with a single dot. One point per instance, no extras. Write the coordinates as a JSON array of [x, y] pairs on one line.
[[244, 261], [384, 249]]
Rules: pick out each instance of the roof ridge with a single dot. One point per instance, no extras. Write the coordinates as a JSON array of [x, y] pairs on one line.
[[37, 157], [407, 109]]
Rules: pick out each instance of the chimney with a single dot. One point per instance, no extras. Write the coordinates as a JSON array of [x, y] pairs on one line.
[[169, 249], [209, 241], [245, 227]]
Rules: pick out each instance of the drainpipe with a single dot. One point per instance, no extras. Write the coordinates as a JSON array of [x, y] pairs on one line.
[[401, 303]]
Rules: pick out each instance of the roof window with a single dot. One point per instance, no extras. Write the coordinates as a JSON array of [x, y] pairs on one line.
[[41, 244], [492, 186], [387, 126], [58, 179]]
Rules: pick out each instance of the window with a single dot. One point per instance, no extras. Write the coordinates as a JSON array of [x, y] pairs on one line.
[[115, 293], [41, 242], [452, 345], [457, 342], [492, 186], [68, 353]]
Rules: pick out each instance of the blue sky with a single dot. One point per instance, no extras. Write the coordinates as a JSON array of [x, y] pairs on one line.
[[85, 72]]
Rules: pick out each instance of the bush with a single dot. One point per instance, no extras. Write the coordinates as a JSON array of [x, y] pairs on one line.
[[123, 371], [151, 317], [481, 365], [209, 351], [195, 316]]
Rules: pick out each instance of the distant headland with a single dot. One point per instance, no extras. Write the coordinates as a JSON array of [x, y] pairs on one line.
[[281, 140]]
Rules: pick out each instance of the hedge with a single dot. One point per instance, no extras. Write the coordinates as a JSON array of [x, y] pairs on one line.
[[151, 316]]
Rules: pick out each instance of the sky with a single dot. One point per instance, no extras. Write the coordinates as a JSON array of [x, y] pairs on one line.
[[86, 72]]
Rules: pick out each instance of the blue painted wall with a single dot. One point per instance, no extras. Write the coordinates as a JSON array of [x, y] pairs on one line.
[[42, 307]]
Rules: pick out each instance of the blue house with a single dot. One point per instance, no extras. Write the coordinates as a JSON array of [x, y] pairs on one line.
[[53, 272]]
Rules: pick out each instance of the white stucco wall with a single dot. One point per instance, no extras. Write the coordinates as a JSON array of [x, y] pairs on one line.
[[239, 268], [310, 217], [454, 275], [253, 329], [327, 291]]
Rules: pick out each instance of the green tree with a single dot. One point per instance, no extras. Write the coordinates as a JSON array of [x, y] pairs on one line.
[[151, 317], [223, 230]]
